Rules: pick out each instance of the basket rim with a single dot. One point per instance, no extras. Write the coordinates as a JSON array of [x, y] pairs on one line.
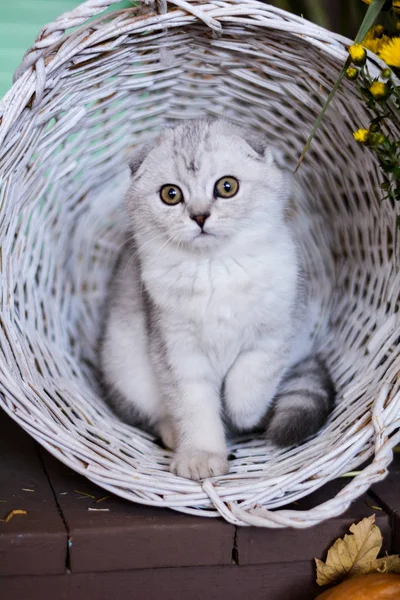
[[31, 76]]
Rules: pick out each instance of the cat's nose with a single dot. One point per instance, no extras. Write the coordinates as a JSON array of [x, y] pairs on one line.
[[200, 219]]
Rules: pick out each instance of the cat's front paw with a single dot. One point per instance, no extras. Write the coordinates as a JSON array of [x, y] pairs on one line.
[[199, 465]]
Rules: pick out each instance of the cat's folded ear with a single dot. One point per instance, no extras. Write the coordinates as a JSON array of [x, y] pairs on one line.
[[273, 154], [139, 155], [276, 156]]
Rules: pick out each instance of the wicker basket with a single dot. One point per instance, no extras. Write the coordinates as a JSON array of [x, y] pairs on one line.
[[85, 94]]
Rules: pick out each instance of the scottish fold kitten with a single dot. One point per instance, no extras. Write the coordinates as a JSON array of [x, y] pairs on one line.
[[207, 326]]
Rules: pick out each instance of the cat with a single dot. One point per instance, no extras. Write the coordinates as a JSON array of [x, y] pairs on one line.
[[207, 326]]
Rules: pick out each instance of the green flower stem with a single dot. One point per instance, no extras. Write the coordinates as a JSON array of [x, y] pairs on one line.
[[370, 17]]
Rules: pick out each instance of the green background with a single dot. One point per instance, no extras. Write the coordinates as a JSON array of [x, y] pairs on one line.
[[21, 20]]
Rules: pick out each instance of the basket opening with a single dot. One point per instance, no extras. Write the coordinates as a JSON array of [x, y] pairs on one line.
[[65, 222]]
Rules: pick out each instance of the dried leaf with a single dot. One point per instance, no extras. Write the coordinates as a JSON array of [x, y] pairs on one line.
[[351, 474], [353, 555], [85, 494], [374, 506], [12, 514], [103, 498], [387, 564]]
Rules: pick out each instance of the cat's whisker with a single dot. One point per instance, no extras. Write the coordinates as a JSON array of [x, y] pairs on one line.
[[238, 264]]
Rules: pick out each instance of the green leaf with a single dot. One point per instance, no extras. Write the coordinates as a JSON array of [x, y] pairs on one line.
[[386, 168], [323, 111], [370, 17]]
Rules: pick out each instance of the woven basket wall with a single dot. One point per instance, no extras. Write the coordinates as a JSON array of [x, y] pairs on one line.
[[86, 93]]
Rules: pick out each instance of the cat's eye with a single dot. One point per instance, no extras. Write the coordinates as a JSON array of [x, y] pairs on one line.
[[226, 187], [171, 194]]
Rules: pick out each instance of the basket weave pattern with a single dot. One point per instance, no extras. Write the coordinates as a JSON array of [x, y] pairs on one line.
[[82, 99]]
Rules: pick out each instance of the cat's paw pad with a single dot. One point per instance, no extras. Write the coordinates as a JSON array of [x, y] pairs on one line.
[[199, 465]]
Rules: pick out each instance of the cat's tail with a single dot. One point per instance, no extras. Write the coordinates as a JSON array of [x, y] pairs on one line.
[[304, 401]]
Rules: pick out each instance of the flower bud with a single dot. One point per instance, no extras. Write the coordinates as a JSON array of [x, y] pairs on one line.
[[358, 54], [374, 128], [376, 139], [379, 90], [352, 73]]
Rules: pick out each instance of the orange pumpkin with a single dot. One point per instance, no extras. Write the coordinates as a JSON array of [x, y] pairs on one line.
[[374, 586]]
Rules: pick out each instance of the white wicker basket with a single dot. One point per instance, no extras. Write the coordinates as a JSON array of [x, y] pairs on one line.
[[85, 94]]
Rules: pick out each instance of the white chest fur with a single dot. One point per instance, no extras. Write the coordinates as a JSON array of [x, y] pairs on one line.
[[224, 304]]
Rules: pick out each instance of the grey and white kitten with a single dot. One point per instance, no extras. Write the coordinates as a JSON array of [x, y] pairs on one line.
[[207, 325]]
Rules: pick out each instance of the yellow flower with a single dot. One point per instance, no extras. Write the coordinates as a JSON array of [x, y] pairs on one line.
[[375, 38], [374, 32], [395, 4], [379, 90], [358, 54], [372, 44], [378, 30], [390, 52], [361, 135]]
